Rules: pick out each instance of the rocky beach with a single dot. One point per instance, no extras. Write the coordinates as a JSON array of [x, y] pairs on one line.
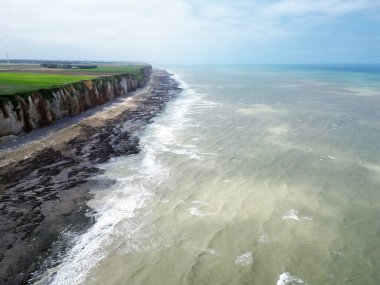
[[45, 175]]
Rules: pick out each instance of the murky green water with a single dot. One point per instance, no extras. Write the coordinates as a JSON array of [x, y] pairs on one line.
[[255, 175]]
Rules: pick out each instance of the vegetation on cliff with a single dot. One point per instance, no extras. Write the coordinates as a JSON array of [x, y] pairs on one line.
[[16, 80], [136, 70], [24, 111]]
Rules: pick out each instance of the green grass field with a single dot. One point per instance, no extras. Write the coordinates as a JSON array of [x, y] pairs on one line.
[[13, 82], [23, 81], [116, 69]]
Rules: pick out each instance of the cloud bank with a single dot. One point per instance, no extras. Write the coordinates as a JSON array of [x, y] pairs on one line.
[[192, 31]]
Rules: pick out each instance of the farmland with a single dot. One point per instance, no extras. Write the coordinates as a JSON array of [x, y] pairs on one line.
[[14, 82], [25, 78]]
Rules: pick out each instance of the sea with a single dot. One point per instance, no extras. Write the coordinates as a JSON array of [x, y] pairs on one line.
[[255, 174]]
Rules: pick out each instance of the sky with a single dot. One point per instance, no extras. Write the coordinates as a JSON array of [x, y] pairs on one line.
[[192, 31]]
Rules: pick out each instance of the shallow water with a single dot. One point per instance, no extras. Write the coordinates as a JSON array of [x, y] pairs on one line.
[[254, 175]]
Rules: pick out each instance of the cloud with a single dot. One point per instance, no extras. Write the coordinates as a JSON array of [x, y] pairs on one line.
[[160, 30], [322, 7]]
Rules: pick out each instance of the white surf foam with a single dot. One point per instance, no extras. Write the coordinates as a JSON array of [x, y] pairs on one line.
[[264, 238], [113, 207], [287, 279], [244, 259], [211, 251], [134, 187], [293, 215], [200, 202], [194, 211], [168, 133]]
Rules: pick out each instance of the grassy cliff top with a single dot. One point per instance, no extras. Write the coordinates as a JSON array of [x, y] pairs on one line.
[[116, 69], [14, 82], [24, 78]]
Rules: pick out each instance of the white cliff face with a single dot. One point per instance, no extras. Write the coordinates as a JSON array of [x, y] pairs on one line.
[[10, 124], [36, 111]]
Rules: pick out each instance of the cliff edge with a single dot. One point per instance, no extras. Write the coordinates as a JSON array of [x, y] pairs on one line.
[[26, 111]]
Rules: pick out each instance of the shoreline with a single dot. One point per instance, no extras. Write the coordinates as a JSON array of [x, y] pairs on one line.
[[43, 189]]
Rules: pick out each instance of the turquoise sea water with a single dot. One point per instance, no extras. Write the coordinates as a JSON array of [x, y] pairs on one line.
[[254, 175]]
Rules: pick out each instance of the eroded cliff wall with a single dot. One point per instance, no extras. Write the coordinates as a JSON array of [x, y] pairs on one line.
[[28, 111]]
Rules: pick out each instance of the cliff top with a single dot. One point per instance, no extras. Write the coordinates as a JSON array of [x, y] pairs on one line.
[[18, 78]]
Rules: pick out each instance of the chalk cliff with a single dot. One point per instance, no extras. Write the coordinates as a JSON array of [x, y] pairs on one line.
[[27, 111]]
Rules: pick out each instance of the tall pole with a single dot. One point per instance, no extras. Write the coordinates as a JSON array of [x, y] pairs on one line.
[[7, 59]]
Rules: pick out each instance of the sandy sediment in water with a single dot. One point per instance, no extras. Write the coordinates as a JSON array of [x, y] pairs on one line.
[[44, 175]]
